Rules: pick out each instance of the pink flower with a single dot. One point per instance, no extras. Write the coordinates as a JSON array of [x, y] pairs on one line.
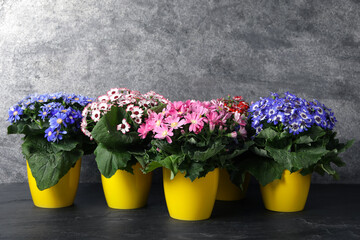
[[124, 127], [175, 122], [240, 119], [242, 132], [196, 122], [143, 130], [233, 134], [164, 132], [156, 119], [213, 118]]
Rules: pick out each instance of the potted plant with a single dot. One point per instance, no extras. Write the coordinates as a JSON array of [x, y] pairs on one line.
[[293, 139], [190, 140], [233, 183], [113, 122], [52, 145]]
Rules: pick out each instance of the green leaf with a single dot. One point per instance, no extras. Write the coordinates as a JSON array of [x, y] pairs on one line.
[[105, 131], [49, 162], [194, 170], [260, 152], [31, 128], [110, 160], [167, 147], [267, 133], [264, 170], [297, 160], [170, 162], [202, 156], [158, 108], [315, 132], [304, 140]]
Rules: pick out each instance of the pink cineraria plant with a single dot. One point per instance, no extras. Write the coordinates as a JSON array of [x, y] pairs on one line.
[[134, 103], [113, 121], [194, 136], [194, 117]]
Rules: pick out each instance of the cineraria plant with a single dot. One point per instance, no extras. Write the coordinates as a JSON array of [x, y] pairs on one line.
[[193, 137], [113, 122], [293, 134], [53, 141], [237, 106]]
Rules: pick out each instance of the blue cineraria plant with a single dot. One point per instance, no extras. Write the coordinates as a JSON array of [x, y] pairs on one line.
[[294, 134], [53, 141]]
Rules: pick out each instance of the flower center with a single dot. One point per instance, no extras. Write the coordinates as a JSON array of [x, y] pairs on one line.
[[165, 133], [59, 120], [158, 122], [76, 99], [193, 121], [174, 124], [44, 113], [40, 100], [49, 133], [64, 111], [16, 113]]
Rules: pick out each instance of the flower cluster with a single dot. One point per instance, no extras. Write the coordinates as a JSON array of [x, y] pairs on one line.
[[291, 112], [234, 104], [193, 117], [133, 102], [57, 113]]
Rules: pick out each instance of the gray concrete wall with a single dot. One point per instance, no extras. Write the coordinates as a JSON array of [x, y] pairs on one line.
[[182, 49]]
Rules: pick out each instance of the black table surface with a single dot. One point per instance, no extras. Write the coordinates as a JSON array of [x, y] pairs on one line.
[[332, 212]]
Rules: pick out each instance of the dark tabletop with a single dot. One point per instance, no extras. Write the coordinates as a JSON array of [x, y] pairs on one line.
[[332, 212]]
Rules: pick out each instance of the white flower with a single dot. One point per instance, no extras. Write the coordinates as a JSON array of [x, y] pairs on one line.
[[112, 91], [85, 111], [138, 120], [114, 97], [130, 107], [94, 106], [103, 98], [83, 123], [136, 112], [95, 115], [124, 127], [103, 106]]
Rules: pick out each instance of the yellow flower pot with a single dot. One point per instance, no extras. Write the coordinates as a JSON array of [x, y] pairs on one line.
[[60, 195], [125, 190], [191, 201], [227, 191], [288, 194]]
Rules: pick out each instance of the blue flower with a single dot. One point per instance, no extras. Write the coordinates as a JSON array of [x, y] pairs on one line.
[[296, 114], [57, 120], [54, 135], [15, 113], [50, 135], [43, 113]]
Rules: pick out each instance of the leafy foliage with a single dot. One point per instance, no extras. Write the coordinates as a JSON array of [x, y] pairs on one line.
[[194, 155], [276, 150], [49, 161]]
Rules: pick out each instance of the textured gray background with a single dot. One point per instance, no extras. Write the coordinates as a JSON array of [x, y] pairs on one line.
[[182, 49]]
